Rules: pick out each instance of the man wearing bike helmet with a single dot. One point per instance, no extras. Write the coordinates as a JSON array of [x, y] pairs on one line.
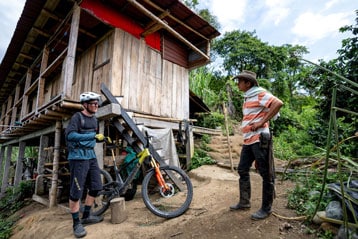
[[259, 108], [81, 136]]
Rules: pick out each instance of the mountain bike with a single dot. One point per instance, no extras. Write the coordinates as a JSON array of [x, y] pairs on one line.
[[166, 190]]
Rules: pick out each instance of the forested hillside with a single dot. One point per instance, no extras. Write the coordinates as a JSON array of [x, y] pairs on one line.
[[317, 131]]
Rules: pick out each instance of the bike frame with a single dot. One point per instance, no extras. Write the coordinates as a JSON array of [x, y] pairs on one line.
[[121, 186], [170, 180]]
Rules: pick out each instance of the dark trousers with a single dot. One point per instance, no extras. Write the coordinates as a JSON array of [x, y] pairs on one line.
[[249, 154]]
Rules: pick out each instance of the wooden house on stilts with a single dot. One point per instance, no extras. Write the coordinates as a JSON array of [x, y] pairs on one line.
[[141, 50]]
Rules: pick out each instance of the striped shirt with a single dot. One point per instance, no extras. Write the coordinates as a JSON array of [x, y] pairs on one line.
[[255, 107]]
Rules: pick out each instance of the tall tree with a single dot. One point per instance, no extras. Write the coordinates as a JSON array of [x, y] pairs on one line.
[[293, 68], [345, 65], [244, 50]]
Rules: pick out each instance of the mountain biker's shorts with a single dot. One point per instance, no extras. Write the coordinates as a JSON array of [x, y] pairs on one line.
[[85, 174]]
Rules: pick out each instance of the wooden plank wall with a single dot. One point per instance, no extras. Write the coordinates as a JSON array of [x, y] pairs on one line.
[[133, 70], [148, 83], [92, 68]]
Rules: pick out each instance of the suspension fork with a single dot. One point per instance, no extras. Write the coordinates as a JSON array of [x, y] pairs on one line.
[[159, 175], [155, 165]]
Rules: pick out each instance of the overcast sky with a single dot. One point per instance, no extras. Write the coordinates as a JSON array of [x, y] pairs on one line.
[[311, 23]]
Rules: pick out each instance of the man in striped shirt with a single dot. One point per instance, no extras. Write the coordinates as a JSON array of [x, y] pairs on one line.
[[259, 108]]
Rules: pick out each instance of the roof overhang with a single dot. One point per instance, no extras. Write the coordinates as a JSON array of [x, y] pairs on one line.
[[41, 20]]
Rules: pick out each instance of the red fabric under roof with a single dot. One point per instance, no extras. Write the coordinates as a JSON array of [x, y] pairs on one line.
[[114, 18]]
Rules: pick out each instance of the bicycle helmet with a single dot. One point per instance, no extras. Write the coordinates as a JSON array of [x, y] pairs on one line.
[[88, 96]]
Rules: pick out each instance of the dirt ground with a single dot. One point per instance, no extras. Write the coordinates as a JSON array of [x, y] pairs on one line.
[[215, 189]]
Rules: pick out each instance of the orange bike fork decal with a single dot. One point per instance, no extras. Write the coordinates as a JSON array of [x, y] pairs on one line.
[[160, 178]]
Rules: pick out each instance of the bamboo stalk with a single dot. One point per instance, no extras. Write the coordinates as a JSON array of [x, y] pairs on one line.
[[335, 221], [228, 138]]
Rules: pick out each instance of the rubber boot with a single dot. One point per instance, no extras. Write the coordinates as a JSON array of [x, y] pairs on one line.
[[267, 199], [245, 195]]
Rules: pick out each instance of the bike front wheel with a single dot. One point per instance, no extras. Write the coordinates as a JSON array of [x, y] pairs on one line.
[[167, 203]]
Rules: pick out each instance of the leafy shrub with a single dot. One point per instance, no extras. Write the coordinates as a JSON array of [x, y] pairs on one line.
[[293, 143], [6, 228], [293, 139], [206, 139], [318, 133], [304, 197], [13, 200], [200, 158], [212, 121]]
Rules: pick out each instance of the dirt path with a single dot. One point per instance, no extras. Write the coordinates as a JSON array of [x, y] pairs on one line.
[[215, 189]]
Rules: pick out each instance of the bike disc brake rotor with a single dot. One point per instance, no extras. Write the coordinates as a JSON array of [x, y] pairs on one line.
[[167, 193]]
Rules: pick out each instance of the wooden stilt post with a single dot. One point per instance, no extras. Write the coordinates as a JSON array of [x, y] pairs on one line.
[[56, 159], [2, 157], [19, 164], [5, 177], [39, 187]]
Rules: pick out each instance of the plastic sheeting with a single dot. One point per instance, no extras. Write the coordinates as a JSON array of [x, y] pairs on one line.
[[350, 194], [163, 142]]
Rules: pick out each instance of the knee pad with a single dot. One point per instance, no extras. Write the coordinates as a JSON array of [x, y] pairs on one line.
[[93, 193], [74, 199]]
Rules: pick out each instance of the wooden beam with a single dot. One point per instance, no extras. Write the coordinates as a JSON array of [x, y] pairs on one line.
[[14, 109], [87, 33], [56, 114], [58, 109], [31, 88], [32, 46], [26, 97], [3, 109], [69, 67], [41, 32], [71, 105], [167, 27], [40, 99], [176, 19], [55, 63], [26, 56], [48, 117], [21, 65], [50, 14], [9, 109], [154, 26]]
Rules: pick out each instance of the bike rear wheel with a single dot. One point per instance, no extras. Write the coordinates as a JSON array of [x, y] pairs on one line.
[[102, 201], [173, 202]]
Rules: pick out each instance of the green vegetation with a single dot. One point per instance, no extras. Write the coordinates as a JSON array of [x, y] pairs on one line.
[[13, 200], [212, 121], [201, 156], [319, 119], [304, 197]]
